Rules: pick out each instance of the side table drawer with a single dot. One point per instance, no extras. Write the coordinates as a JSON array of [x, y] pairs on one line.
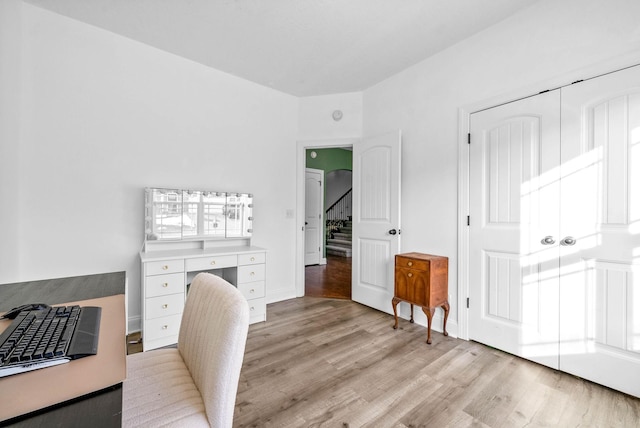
[[213, 262], [251, 259], [161, 285], [250, 273], [162, 327], [161, 306], [252, 290], [409, 263]]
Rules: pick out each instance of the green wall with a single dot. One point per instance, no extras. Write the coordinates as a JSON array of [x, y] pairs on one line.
[[330, 159]]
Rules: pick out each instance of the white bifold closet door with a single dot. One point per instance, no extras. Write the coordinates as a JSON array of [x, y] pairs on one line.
[[555, 229], [600, 228]]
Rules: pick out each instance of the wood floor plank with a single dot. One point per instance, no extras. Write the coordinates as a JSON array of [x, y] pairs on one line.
[[334, 363]]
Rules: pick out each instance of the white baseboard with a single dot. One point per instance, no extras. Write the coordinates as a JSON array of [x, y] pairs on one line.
[[280, 295]]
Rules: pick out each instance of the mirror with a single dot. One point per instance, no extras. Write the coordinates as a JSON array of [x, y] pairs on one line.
[[177, 214]]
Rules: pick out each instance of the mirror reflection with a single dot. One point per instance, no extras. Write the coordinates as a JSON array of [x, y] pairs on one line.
[[174, 214]]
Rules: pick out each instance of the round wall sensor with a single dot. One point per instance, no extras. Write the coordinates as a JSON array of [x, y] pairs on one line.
[[337, 115], [313, 155]]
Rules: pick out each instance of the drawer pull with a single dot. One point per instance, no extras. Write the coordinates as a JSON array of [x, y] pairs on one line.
[[165, 284], [164, 327], [252, 308], [409, 274], [409, 263], [253, 259], [213, 262], [165, 306], [252, 273], [252, 291], [165, 267]]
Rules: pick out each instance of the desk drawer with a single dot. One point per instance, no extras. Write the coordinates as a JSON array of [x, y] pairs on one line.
[[405, 262], [161, 306], [250, 273], [257, 308], [252, 290], [164, 266], [162, 327], [251, 259], [212, 262], [161, 285]]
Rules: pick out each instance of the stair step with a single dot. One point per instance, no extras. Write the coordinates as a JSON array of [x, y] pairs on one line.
[[339, 242], [338, 251], [342, 236]]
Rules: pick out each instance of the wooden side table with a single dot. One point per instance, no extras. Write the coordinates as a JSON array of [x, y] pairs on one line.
[[422, 279]]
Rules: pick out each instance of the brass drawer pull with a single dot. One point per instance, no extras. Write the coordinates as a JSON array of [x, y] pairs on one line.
[[409, 263], [409, 274]]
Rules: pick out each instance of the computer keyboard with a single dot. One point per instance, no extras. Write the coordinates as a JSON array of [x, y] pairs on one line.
[[43, 338]]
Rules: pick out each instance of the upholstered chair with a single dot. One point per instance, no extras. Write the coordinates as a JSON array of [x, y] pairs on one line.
[[196, 383]]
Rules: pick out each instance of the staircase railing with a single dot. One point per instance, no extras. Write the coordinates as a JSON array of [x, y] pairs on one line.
[[341, 209]]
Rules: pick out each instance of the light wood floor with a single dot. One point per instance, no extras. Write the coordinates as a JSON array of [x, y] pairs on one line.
[[335, 363]]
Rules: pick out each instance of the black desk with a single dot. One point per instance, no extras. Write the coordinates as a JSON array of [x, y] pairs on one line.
[[100, 409]]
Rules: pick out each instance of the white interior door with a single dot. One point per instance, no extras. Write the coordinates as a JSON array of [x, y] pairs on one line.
[[600, 229], [513, 270], [313, 230], [376, 219]]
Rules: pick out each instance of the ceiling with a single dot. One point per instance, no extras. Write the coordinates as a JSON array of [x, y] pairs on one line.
[[301, 47]]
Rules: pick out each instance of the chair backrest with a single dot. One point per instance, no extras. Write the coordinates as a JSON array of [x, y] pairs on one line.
[[212, 339]]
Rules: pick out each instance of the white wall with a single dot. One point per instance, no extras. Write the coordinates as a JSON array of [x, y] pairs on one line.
[[88, 118], [555, 42], [102, 117], [315, 121], [10, 39]]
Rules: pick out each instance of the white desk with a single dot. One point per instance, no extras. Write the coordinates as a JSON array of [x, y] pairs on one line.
[[166, 275]]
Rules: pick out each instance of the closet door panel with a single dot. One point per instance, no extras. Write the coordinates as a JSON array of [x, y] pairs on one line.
[[600, 225], [514, 193]]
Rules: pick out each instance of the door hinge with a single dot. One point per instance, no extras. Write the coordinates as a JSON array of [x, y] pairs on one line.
[[469, 138], [468, 221], [467, 303]]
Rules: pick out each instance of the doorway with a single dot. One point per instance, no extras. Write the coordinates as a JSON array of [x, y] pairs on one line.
[[376, 215], [328, 180]]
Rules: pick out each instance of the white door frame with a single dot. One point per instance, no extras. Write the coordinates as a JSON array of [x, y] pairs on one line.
[[464, 115], [301, 161]]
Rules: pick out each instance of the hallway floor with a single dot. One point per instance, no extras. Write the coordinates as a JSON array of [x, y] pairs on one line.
[[331, 280]]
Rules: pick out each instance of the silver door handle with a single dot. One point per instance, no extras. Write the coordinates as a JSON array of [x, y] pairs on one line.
[[392, 232], [548, 240], [568, 241]]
